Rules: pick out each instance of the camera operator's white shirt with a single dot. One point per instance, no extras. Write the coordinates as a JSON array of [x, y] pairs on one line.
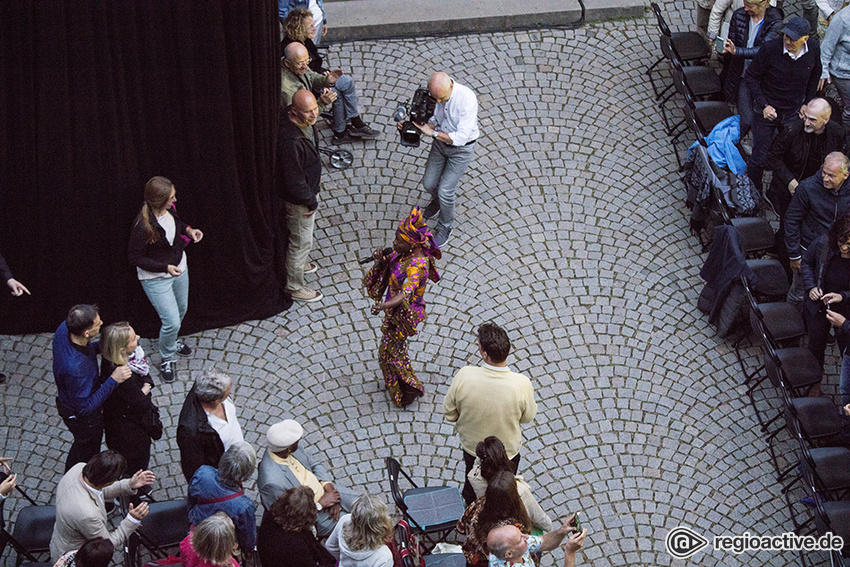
[[458, 117]]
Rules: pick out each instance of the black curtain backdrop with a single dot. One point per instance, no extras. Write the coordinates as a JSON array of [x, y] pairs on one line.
[[96, 98]]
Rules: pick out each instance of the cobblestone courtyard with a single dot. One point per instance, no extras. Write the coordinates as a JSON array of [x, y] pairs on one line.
[[571, 233]]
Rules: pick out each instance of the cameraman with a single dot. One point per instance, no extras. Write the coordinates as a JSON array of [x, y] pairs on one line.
[[454, 128]]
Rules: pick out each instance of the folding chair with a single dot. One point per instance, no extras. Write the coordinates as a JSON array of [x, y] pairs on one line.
[[700, 81], [30, 537], [701, 116], [833, 517], [165, 526], [431, 511], [690, 47], [409, 551]]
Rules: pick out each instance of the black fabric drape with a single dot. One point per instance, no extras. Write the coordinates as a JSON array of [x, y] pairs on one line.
[[96, 98]]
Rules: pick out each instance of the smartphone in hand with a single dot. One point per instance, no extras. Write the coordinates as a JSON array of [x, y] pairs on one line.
[[719, 42]]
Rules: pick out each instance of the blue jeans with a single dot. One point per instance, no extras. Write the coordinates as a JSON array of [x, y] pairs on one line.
[[843, 88], [745, 108], [345, 107], [763, 133], [442, 172], [170, 298]]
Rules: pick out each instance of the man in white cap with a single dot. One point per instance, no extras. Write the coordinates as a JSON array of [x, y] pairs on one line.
[[285, 465]]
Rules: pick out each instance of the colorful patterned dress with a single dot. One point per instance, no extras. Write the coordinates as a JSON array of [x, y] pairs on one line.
[[408, 275]]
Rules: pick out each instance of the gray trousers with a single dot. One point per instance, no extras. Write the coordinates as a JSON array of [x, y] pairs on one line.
[[442, 172], [324, 523], [843, 88], [300, 244]]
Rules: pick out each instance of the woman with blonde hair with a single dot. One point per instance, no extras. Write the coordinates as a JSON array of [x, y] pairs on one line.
[[130, 418], [360, 538], [211, 544], [157, 243]]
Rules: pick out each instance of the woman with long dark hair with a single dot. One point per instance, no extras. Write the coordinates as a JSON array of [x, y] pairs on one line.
[[397, 285], [157, 243], [500, 506], [130, 418]]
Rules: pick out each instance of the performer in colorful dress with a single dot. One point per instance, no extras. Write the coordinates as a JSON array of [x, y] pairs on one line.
[[400, 279]]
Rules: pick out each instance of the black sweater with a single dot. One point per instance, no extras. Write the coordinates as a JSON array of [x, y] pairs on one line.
[[777, 80]]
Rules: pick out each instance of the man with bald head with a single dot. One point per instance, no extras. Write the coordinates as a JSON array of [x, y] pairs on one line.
[[817, 203], [454, 128], [798, 151], [510, 547], [332, 86], [299, 174]]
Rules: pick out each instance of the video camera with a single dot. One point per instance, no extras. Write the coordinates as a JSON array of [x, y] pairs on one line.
[[420, 110]]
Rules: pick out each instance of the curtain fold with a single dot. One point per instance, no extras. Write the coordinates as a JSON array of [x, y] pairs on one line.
[[96, 98]]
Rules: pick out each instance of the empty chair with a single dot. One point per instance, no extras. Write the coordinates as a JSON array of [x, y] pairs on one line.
[[689, 46], [700, 81], [432, 511], [164, 527]]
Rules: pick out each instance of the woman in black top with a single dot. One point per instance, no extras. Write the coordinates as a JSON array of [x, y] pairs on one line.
[[285, 537], [130, 418]]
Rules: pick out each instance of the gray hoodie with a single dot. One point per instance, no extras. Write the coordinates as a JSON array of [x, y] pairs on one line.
[[381, 557]]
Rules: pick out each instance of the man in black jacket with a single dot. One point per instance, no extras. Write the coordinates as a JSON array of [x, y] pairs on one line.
[[782, 77], [798, 151], [299, 174]]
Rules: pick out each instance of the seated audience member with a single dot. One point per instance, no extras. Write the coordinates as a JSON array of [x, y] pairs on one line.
[[287, 465], [826, 280], [75, 372], [492, 458], [295, 75], [782, 77], [320, 27], [764, 22], [798, 151], [210, 544], [130, 418], [818, 202], [95, 552], [510, 547], [285, 537], [212, 491], [80, 498], [500, 505], [360, 538], [208, 424]]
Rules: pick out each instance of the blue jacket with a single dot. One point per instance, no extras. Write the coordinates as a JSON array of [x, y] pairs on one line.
[[284, 6], [76, 375], [206, 485], [812, 211]]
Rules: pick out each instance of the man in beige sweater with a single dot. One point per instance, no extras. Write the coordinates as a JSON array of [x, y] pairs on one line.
[[489, 400]]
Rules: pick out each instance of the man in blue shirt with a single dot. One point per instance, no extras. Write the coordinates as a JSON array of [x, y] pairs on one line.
[[509, 547], [75, 370]]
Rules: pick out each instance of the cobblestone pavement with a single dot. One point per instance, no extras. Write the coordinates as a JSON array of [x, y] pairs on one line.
[[572, 233]]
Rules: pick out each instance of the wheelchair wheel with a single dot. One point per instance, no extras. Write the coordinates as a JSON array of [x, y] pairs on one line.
[[341, 159]]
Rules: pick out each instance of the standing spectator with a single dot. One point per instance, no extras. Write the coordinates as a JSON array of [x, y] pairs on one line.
[[96, 552], [360, 538], [298, 27], [704, 10], [454, 128], [208, 424], [285, 537], [397, 285], [491, 459], [157, 250], [818, 202], [299, 176], [212, 491], [721, 12], [15, 286], [317, 10], [80, 503], [489, 400], [210, 544], [835, 60], [75, 370], [500, 505], [750, 27], [130, 418], [783, 76]]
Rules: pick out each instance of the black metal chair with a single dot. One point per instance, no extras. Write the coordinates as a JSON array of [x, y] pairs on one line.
[[409, 555], [33, 527], [833, 517], [165, 526], [431, 511], [690, 47], [701, 116], [701, 82]]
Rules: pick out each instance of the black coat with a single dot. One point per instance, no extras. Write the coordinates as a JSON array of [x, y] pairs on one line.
[[299, 165], [130, 419], [156, 257], [789, 152], [199, 443], [739, 33], [278, 548]]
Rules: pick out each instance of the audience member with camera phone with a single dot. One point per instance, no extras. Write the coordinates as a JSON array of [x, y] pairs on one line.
[[454, 128], [510, 547]]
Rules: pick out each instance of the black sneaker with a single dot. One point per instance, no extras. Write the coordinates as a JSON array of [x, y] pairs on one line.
[[183, 349], [364, 132], [343, 138], [167, 371], [432, 210]]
